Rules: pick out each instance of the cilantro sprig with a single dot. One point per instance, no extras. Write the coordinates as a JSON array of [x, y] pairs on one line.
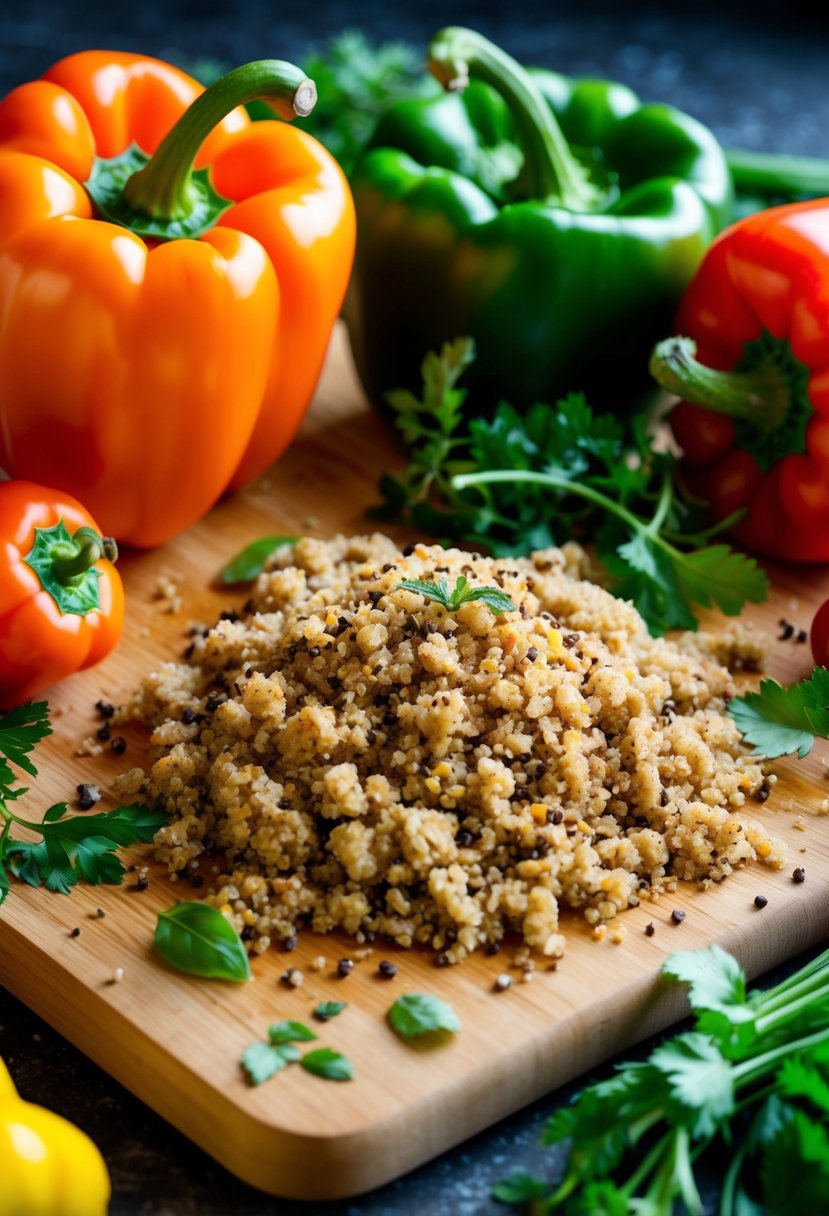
[[517, 482], [751, 1078], [497, 601], [778, 721], [71, 847]]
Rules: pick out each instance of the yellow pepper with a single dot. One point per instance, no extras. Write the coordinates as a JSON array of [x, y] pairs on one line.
[[48, 1167]]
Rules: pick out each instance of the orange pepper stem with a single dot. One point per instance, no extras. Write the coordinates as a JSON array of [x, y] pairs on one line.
[[86, 547], [162, 189], [761, 395]]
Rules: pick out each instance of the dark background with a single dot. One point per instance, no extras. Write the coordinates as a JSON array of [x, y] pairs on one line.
[[756, 74]]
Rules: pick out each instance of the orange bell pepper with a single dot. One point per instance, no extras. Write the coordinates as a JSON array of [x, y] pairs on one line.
[[61, 599], [162, 327]]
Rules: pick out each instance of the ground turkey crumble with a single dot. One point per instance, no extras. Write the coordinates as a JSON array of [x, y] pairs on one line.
[[355, 756]]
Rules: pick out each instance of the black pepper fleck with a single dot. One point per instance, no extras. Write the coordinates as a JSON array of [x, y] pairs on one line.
[[799, 874], [677, 916], [760, 901], [105, 709], [88, 795], [442, 960], [650, 929], [290, 943], [142, 883], [118, 745], [103, 732], [188, 716], [532, 654], [492, 948], [802, 636], [76, 932], [344, 967], [387, 970]]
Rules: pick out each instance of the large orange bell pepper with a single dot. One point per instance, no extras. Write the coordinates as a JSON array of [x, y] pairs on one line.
[[161, 329]]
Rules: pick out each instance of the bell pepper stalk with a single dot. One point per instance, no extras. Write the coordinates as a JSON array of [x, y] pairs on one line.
[[545, 217], [61, 598], [50, 1167], [778, 177], [749, 364], [198, 262]]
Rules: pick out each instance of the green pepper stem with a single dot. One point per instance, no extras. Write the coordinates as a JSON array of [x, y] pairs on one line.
[[81, 554], [771, 175], [162, 188], [552, 171], [760, 396]]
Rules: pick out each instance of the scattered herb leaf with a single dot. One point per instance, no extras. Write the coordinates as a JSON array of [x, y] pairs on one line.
[[260, 1062], [517, 482], [289, 1051], [755, 1086], [196, 938], [326, 1010], [323, 1062], [290, 1032], [417, 1013], [252, 560], [71, 847], [779, 721], [496, 600]]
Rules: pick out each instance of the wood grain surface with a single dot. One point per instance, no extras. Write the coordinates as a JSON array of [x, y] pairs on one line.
[[176, 1041]]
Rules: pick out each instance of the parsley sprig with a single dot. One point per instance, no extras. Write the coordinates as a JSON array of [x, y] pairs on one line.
[[752, 1076], [779, 721], [71, 847], [517, 482], [497, 601]]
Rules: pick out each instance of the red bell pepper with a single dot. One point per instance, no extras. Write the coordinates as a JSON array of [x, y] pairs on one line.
[[753, 374]]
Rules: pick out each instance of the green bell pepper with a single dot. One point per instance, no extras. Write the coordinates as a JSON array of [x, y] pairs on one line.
[[555, 221]]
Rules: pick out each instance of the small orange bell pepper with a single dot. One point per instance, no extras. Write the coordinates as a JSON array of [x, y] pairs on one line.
[[61, 599], [170, 274]]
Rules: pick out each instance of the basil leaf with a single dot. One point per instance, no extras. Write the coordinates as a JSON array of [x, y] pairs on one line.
[[247, 565], [289, 1052], [290, 1032], [417, 1013], [196, 938], [261, 1062], [328, 1064], [329, 1009]]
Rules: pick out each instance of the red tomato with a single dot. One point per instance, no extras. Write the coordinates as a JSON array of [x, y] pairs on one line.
[[820, 635]]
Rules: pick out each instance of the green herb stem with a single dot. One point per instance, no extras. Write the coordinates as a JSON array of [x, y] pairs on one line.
[[750, 1069]]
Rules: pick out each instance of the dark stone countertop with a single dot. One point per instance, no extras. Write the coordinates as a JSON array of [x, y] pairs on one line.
[[754, 72]]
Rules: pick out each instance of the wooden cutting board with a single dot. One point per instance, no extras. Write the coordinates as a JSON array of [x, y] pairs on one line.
[[176, 1041]]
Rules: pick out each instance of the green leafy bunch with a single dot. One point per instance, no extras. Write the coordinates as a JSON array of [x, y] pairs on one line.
[[750, 1079], [71, 847], [516, 482]]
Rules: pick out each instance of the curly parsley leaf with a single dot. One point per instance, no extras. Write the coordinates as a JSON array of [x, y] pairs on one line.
[[514, 482], [778, 721], [21, 729]]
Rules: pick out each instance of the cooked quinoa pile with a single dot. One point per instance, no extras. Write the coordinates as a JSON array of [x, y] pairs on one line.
[[349, 754]]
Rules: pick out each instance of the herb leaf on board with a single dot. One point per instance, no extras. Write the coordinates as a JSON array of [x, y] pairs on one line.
[[290, 1032], [252, 560], [326, 1010], [331, 1065], [196, 938], [261, 1062], [779, 721], [418, 1013]]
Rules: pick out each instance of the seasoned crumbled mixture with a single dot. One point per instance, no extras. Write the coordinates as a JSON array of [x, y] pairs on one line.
[[362, 759]]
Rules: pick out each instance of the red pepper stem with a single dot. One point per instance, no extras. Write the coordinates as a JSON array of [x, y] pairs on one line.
[[761, 396], [69, 561], [551, 170], [162, 188]]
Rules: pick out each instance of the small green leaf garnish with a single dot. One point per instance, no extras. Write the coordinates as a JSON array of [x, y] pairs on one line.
[[778, 721], [496, 600], [323, 1062], [417, 1013], [196, 938], [21, 730], [326, 1010], [290, 1032], [260, 1062], [249, 564]]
